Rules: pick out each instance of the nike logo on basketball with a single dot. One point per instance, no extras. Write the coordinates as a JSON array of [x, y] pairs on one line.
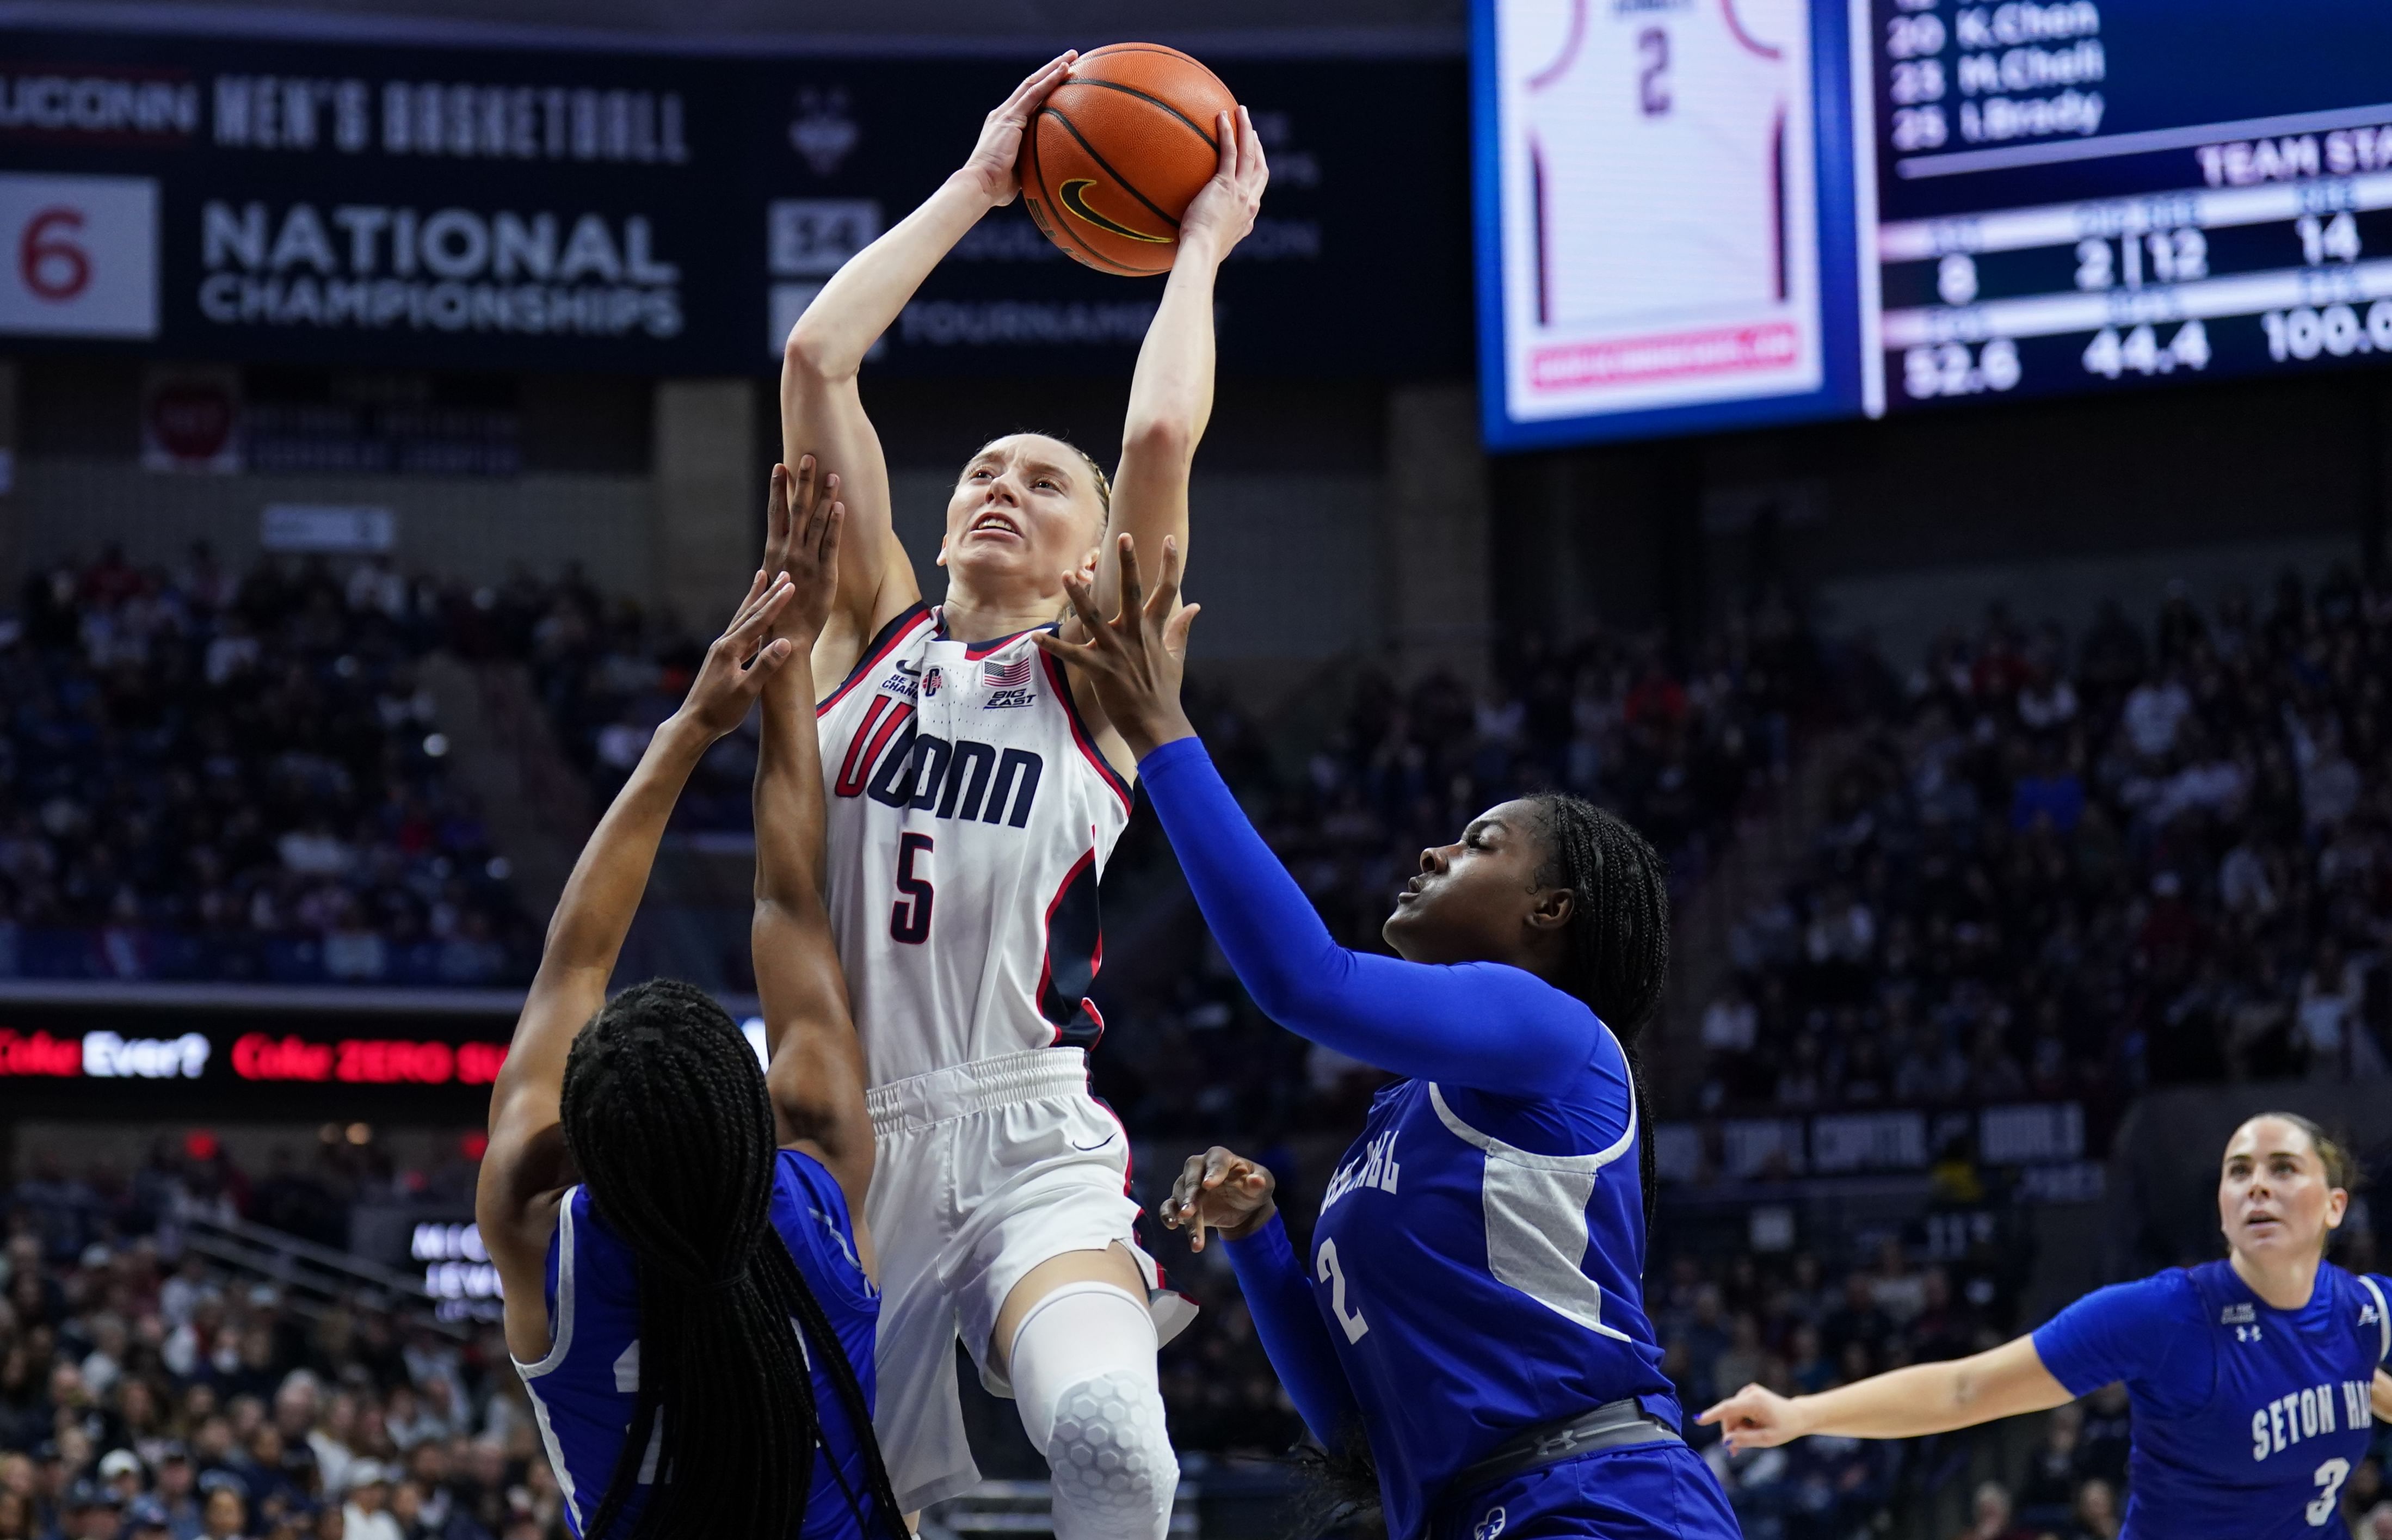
[[1073, 196]]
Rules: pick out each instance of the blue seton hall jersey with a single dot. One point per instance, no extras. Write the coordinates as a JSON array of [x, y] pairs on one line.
[[584, 1391], [2248, 1418], [1475, 1287]]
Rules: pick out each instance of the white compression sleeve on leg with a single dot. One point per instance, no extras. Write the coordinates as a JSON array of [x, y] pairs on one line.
[[1083, 1375]]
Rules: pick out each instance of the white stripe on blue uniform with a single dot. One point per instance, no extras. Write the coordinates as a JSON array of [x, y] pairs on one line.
[[1535, 1218]]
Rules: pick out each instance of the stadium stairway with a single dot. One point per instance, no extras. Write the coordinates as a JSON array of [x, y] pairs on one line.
[[1772, 837], [308, 1279], [538, 809]]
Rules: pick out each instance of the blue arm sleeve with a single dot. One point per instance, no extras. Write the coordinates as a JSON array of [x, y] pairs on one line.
[[1294, 1336], [2135, 1332], [1482, 1025]]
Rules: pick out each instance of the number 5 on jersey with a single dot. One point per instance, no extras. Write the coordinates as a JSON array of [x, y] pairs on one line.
[[1334, 1276], [909, 917]]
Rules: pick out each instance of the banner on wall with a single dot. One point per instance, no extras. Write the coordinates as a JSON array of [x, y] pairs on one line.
[[412, 207]]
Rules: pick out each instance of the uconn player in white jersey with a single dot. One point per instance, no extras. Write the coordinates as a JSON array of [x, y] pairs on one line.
[[685, 1278], [976, 790], [2253, 1380]]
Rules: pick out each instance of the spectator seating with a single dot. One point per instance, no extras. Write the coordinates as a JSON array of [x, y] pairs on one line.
[[209, 779]]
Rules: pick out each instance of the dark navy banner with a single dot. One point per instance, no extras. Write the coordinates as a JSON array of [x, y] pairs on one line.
[[435, 207]]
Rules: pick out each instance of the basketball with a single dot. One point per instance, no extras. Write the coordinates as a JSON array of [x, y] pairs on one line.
[[1111, 160]]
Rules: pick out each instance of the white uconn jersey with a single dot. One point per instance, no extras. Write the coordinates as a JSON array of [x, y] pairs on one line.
[[1658, 135], [970, 816]]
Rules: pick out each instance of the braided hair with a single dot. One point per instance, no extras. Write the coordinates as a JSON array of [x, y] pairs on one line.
[[666, 1115], [1618, 935]]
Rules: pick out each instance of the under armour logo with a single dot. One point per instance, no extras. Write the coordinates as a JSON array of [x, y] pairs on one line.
[[2367, 1315], [2246, 1334], [1491, 1526]]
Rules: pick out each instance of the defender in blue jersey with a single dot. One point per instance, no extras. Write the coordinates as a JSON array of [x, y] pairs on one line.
[[1471, 1302], [2253, 1380], [695, 1317]]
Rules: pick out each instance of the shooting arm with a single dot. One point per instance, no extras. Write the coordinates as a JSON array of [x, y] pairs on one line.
[[822, 411], [821, 414], [1171, 391], [1170, 402]]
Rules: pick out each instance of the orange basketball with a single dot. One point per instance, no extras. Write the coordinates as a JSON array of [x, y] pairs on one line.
[[1110, 161]]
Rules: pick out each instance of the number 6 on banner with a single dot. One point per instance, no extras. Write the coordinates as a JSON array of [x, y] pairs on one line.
[[78, 255], [48, 260]]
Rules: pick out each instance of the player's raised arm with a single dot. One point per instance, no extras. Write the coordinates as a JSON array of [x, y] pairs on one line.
[[1171, 392], [1902, 1403], [524, 1170], [822, 413], [815, 1074]]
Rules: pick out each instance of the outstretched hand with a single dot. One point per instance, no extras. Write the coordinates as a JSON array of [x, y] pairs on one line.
[[1223, 209], [991, 165], [1754, 1417], [802, 519], [741, 660], [1137, 657], [1225, 1190]]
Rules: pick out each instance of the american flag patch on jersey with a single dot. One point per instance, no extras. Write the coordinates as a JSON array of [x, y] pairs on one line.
[[1007, 676]]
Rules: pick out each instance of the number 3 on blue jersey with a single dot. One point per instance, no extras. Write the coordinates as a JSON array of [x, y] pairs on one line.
[[1334, 1276], [2328, 1478]]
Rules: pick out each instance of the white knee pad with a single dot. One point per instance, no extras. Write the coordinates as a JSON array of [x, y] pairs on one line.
[[1083, 1372]]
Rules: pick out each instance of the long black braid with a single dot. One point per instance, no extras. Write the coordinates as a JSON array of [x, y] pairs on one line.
[[1618, 933], [666, 1114]]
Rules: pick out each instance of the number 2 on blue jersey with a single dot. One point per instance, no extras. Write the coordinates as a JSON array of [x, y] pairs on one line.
[[1334, 1276]]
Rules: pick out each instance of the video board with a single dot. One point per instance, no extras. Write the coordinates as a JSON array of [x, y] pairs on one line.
[[2047, 198], [1660, 184]]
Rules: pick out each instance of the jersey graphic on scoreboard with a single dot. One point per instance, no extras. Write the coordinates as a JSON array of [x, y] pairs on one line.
[[1644, 100], [1661, 224]]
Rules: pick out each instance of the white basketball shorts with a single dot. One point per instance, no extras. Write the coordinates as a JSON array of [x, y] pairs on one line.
[[983, 1172]]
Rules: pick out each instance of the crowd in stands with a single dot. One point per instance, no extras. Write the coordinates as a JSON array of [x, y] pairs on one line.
[[241, 777], [2157, 854], [2050, 867], [145, 1395]]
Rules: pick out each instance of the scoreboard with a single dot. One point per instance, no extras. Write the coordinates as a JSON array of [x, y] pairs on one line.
[[2086, 196], [2038, 197]]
